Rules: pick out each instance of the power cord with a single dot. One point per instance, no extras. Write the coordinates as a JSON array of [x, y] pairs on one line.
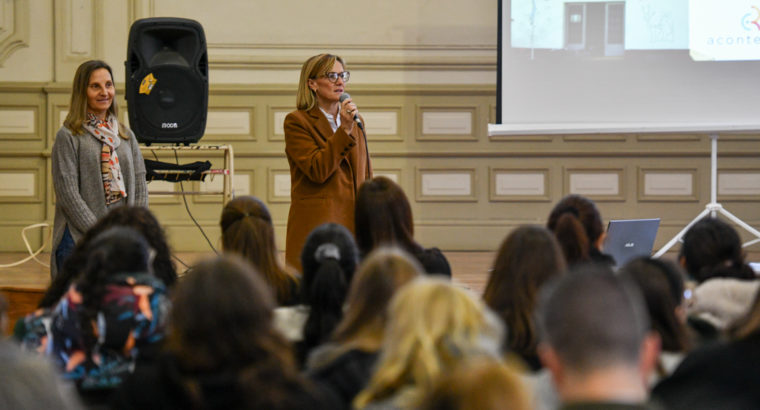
[[32, 254], [184, 199]]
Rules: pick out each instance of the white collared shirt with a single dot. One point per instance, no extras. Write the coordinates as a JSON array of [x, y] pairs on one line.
[[334, 122]]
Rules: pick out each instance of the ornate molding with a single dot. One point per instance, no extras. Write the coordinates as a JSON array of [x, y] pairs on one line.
[[14, 27], [360, 56]]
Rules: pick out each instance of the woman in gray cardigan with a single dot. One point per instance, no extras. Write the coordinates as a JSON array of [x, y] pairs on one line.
[[96, 160]]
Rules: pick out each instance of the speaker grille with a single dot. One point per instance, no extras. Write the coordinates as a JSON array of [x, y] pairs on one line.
[[173, 52]]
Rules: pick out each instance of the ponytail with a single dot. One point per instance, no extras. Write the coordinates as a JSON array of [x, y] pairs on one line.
[[325, 295], [572, 238]]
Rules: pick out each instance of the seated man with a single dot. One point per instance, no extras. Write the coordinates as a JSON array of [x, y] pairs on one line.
[[595, 340]]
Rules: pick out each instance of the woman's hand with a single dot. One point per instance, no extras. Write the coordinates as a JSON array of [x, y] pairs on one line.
[[347, 112]]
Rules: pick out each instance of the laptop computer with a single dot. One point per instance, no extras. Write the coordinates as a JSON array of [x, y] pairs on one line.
[[630, 238]]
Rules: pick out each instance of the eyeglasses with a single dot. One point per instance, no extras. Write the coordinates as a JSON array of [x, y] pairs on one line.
[[333, 77]]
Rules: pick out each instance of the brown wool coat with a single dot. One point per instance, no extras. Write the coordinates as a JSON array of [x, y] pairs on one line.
[[326, 170]]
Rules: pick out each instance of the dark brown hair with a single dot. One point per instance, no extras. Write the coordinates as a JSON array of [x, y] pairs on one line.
[[661, 283], [577, 225], [222, 317], [712, 248], [139, 218], [221, 323], [247, 230], [527, 258], [383, 217]]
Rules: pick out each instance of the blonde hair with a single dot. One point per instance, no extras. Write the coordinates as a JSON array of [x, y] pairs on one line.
[[432, 326], [78, 104], [380, 276], [479, 384], [313, 68]]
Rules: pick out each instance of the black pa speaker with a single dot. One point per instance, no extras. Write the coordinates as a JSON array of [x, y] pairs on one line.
[[167, 80]]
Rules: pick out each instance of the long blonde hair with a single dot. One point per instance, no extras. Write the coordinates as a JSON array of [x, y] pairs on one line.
[[432, 326], [312, 68], [78, 104]]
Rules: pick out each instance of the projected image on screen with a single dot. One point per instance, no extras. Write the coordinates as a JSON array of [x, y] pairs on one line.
[[629, 62], [600, 28], [710, 30]]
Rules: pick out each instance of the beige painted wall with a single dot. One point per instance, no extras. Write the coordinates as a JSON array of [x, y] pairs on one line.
[[424, 74]]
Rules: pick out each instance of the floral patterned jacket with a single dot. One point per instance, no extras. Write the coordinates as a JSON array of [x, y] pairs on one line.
[[131, 318]]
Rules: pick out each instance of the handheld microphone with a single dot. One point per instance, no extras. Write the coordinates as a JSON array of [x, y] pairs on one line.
[[357, 120]]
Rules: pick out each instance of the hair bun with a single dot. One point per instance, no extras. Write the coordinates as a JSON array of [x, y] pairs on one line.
[[327, 250]]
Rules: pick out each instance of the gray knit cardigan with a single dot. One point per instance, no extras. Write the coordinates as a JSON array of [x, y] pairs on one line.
[[79, 193]]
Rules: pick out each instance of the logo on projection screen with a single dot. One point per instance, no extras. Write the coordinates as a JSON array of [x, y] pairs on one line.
[[748, 23], [714, 34]]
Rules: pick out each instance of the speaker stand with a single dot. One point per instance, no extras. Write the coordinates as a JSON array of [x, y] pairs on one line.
[[713, 208]]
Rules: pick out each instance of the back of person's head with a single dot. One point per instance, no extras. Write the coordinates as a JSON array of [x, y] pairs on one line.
[[383, 216], [479, 384], [711, 248], [432, 325], [577, 224], [380, 275], [593, 320], [221, 325], [662, 285], [528, 258], [329, 258], [31, 382], [222, 318], [117, 250], [247, 230], [138, 218]]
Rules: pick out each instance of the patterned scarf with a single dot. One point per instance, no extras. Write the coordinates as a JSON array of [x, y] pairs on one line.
[[107, 133]]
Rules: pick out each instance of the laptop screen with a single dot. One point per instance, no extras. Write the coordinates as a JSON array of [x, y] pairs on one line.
[[630, 238]]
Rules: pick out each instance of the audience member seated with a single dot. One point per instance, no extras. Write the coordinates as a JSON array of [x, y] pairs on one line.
[[112, 317], [578, 227], [29, 382], [384, 218], [432, 326], [596, 340], [344, 364], [528, 258], [661, 284], [720, 375], [712, 255], [135, 217], [222, 351], [481, 385], [247, 230], [329, 258]]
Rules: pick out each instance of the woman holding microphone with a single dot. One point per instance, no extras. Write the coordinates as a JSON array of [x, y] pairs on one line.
[[327, 152]]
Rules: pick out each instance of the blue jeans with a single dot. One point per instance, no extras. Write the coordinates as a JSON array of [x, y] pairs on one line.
[[64, 249]]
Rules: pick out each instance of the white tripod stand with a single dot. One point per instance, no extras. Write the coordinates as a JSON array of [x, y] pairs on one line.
[[713, 207]]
